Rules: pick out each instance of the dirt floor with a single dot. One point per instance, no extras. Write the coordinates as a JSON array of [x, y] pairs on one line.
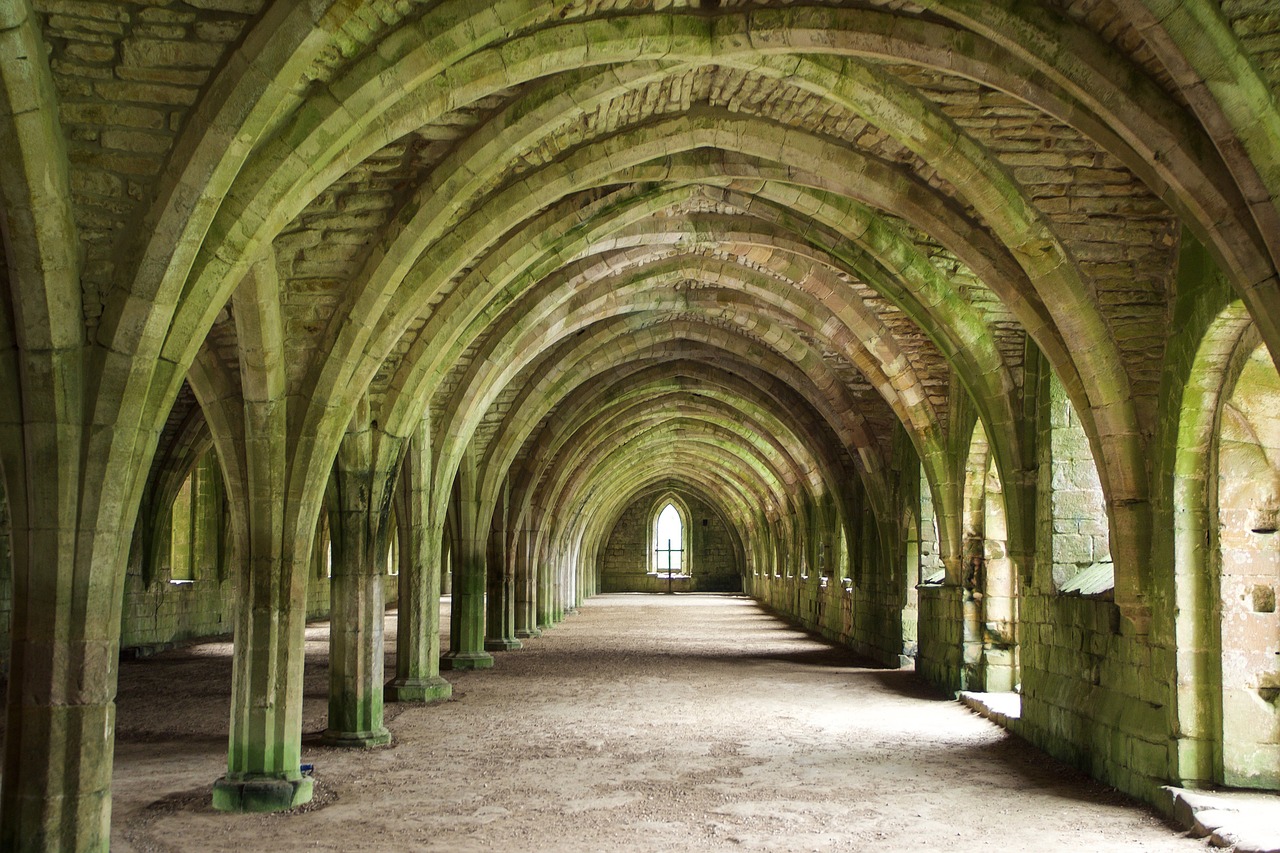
[[682, 723]]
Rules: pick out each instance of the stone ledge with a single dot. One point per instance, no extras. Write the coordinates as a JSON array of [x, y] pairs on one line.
[[1003, 709], [1246, 821]]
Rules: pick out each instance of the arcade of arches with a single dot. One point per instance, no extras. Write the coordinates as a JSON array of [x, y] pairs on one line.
[[945, 325]]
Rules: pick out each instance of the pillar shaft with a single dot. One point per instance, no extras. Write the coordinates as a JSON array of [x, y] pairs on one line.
[[500, 621], [264, 752], [265, 745], [60, 721], [466, 617], [546, 590], [526, 615], [356, 611], [356, 608], [418, 611], [266, 681]]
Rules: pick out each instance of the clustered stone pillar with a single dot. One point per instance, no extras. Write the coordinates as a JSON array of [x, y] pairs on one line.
[[526, 617], [59, 735], [356, 596], [417, 676], [263, 757], [501, 605], [466, 616]]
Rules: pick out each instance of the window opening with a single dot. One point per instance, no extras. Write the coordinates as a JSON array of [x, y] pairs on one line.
[[1081, 550], [668, 551], [932, 571]]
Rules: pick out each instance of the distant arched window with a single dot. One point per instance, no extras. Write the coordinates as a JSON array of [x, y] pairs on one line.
[[668, 542]]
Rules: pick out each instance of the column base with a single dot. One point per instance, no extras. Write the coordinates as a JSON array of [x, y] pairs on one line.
[[266, 794], [356, 740], [466, 660], [528, 633], [417, 689], [502, 644]]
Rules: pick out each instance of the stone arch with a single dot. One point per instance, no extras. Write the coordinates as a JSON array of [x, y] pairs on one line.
[[1248, 509], [989, 578], [1194, 521], [1227, 495], [595, 352], [710, 472]]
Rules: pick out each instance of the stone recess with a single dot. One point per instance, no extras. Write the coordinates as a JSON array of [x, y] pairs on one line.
[[948, 324]]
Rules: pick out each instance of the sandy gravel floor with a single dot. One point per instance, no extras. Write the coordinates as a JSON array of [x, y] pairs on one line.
[[683, 723]]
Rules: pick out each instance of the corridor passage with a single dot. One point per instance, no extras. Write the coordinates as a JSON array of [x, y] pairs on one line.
[[644, 722]]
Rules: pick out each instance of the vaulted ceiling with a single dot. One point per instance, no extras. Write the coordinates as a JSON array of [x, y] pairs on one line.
[[598, 243]]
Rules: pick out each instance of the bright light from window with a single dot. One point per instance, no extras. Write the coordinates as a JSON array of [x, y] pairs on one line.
[[667, 545]]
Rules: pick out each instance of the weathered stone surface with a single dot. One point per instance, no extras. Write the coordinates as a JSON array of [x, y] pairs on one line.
[[784, 258]]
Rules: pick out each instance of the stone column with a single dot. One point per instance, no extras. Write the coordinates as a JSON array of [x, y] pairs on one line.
[[543, 565], [60, 720], [263, 766], [561, 585], [526, 617], [500, 623], [466, 617], [356, 608], [418, 612], [263, 772]]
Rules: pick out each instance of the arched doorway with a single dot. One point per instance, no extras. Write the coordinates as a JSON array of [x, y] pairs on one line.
[[1248, 492], [1227, 560]]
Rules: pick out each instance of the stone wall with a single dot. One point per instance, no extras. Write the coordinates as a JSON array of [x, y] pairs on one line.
[[860, 619], [940, 660], [862, 610], [1094, 694], [165, 613], [624, 562]]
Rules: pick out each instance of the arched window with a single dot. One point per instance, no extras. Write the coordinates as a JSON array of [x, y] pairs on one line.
[[668, 542]]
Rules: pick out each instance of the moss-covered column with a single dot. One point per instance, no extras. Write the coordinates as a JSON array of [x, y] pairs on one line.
[[263, 766], [466, 616], [356, 607], [60, 719], [558, 584], [526, 586], [417, 676], [71, 489], [544, 566], [500, 622]]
